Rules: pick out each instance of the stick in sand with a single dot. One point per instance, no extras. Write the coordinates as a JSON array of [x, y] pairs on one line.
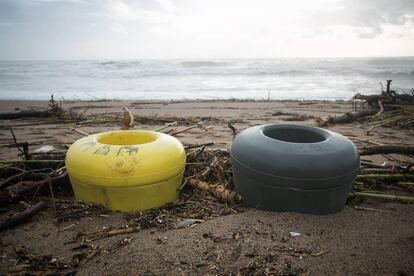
[[22, 216]]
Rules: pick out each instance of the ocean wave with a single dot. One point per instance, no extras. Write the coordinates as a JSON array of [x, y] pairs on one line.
[[389, 61], [171, 78], [119, 64], [104, 63], [205, 63], [389, 73], [285, 72]]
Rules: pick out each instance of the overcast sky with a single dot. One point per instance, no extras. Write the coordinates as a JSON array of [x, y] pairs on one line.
[[127, 29]]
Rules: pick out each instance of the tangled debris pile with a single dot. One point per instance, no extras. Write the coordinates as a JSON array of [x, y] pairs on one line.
[[208, 190], [211, 167], [31, 264], [389, 109], [400, 116]]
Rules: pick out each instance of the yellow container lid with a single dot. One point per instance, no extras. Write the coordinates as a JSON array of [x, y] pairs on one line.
[[125, 158]]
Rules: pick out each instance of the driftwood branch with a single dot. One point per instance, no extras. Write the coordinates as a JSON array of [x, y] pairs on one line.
[[21, 176], [16, 193], [55, 110], [32, 161], [346, 118], [25, 114], [371, 150], [167, 125], [218, 191], [233, 129], [191, 146], [377, 177], [109, 233], [22, 216], [407, 199], [381, 106], [176, 132], [25, 146], [80, 131]]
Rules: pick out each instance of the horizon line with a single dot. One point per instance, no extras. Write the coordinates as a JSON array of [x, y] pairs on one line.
[[210, 58]]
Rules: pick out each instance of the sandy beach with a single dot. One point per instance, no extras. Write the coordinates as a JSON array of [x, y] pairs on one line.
[[354, 242], [277, 137]]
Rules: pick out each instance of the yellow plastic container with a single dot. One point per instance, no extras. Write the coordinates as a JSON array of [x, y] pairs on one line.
[[126, 170]]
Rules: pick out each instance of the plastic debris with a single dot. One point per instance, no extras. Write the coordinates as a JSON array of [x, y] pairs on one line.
[[187, 222], [295, 234], [44, 149]]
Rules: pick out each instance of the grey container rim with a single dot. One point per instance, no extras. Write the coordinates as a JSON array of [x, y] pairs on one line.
[[318, 155], [293, 178], [327, 135]]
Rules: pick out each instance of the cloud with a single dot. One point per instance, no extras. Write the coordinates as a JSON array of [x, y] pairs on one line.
[[167, 5], [207, 28], [367, 17], [68, 1], [140, 11], [118, 28]]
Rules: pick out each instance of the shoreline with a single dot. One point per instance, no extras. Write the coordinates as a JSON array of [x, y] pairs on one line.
[[179, 100]]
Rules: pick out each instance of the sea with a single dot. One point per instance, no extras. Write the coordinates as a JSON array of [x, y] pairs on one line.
[[180, 79]]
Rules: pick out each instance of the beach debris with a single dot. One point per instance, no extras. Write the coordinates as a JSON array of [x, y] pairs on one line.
[[161, 240], [298, 117], [22, 216], [207, 171], [212, 236], [127, 119], [383, 176], [80, 131], [55, 107], [345, 118], [405, 199], [282, 113], [369, 101], [18, 191], [182, 121], [317, 254], [55, 110], [23, 148], [191, 146], [187, 222], [106, 233], [176, 132], [271, 264], [29, 264], [292, 116], [73, 210], [233, 129], [389, 108], [25, 114], [44, 149], [295, 234], [362, 208], [218, 190], [166, 126]]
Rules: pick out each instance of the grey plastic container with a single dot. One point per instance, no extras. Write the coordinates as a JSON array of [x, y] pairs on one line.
[[298, 168]]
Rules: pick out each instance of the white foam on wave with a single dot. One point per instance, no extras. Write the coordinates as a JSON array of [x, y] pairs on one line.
[[331, 79]]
